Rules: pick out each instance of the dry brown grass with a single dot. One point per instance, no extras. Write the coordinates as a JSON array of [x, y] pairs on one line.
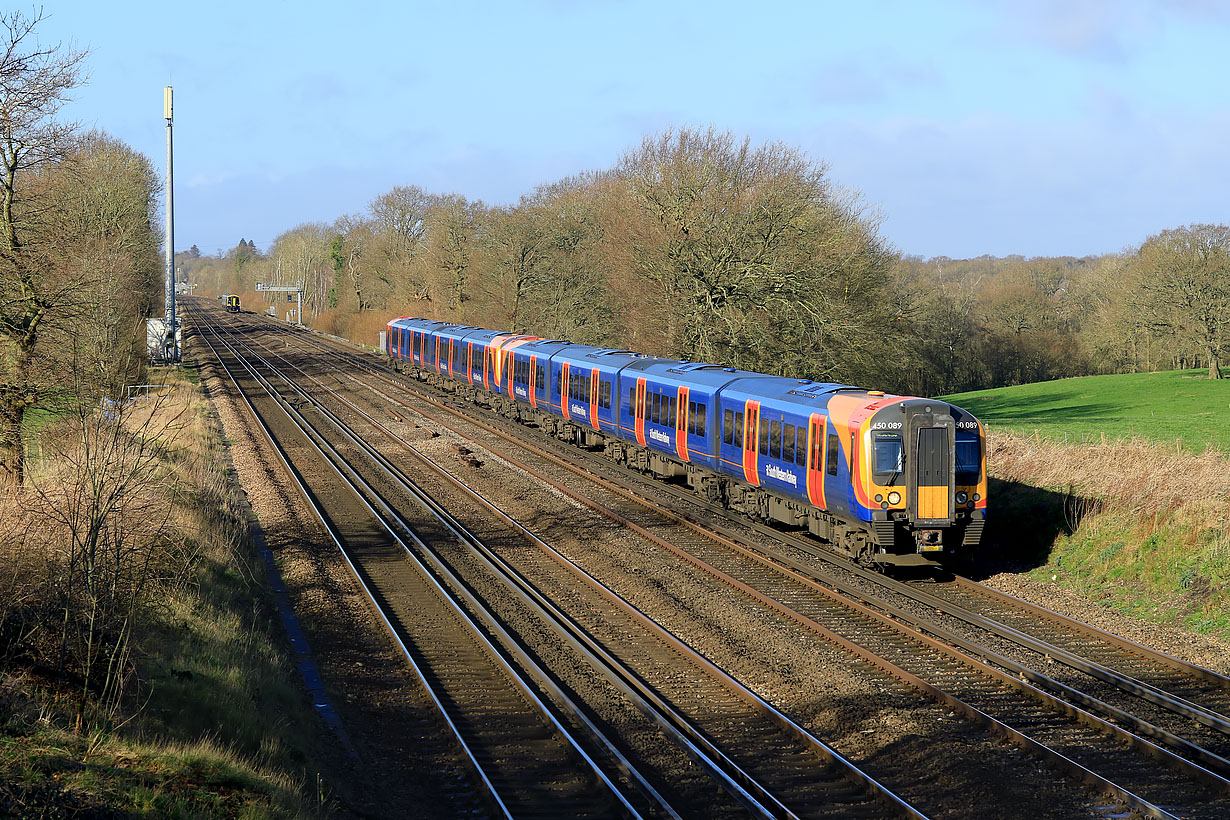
[[1137, 475], [1136, 524], [209, 670]]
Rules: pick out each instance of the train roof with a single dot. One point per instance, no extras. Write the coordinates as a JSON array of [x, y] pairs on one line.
[[675, 371], [802, 392], [590, 356], [418, 323]]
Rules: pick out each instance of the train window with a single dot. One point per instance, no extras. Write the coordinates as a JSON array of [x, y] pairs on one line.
[[728, 426], [834, 446], [764, 437], [888, 455], [700, 418], [775, 439], [788, 442], [654, 405], [800, 451], [670, 416], [541, 377], [606, 395], [969, 456], [739, 429]]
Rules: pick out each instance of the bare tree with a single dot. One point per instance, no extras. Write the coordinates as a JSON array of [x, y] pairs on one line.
[[101, 487], [1187, 272], [34, 85], [402, 213], [740, 239]]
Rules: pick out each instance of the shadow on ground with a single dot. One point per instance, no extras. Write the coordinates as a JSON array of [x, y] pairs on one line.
[[1022, 524]]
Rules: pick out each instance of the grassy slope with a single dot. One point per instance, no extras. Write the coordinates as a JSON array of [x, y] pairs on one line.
[[1163, 407], [220, 730], [1130, 519]]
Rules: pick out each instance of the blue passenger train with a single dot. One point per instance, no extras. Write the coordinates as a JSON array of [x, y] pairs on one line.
[[883, 478]]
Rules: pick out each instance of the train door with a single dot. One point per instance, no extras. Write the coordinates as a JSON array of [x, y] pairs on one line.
[[638, 412], [594, 383], [565, 392], [931, 473], [533, 380], [508, 368], [815, 460], [681, 425], [751, 435]]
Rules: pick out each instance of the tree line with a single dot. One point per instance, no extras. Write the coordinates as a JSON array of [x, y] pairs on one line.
[[703, 247], [84, 535]]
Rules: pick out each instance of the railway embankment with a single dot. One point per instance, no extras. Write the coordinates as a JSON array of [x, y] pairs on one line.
[[1137, 526], [141, 671]]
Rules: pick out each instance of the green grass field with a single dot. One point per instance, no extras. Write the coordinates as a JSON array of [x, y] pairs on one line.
[[1177, 406]]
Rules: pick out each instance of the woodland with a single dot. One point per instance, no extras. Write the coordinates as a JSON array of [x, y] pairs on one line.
[[701, 246]]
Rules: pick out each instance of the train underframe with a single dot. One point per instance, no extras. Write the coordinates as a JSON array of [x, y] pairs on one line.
[[888, 539]]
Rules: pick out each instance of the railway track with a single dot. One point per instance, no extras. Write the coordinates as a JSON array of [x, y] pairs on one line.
[[768, 763], [506, 731], [1207, 798]]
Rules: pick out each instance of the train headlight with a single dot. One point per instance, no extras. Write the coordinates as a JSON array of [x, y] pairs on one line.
[[879, 498], [977, 497], [962, 497], [894, 498]]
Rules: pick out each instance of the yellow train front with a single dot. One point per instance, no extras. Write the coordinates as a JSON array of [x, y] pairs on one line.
[[886, 479], [920, 482], [232, 303]]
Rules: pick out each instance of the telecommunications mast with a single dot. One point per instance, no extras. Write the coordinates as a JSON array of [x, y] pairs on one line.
[[172, 327]]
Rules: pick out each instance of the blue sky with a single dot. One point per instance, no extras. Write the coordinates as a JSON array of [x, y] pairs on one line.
[[1039, 127]]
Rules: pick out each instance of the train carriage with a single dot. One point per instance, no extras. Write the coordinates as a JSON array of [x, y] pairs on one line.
[[889, 476], [416, 341], [453, 352], [586, 383], [671, 406], [531, 372]]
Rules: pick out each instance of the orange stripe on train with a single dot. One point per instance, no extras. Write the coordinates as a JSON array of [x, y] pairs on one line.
[[751, 426], [681, 425]]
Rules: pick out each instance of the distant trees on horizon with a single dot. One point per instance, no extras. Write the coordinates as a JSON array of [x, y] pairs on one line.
[[701, 246]]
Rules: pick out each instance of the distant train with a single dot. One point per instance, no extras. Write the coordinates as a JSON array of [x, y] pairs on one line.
[[885, 479], [232, 303]]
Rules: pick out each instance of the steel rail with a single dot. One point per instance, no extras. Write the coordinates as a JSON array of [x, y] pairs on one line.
[[761, 799], [463, 616], [1119, 680], [1040, 680], [975, 716]]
